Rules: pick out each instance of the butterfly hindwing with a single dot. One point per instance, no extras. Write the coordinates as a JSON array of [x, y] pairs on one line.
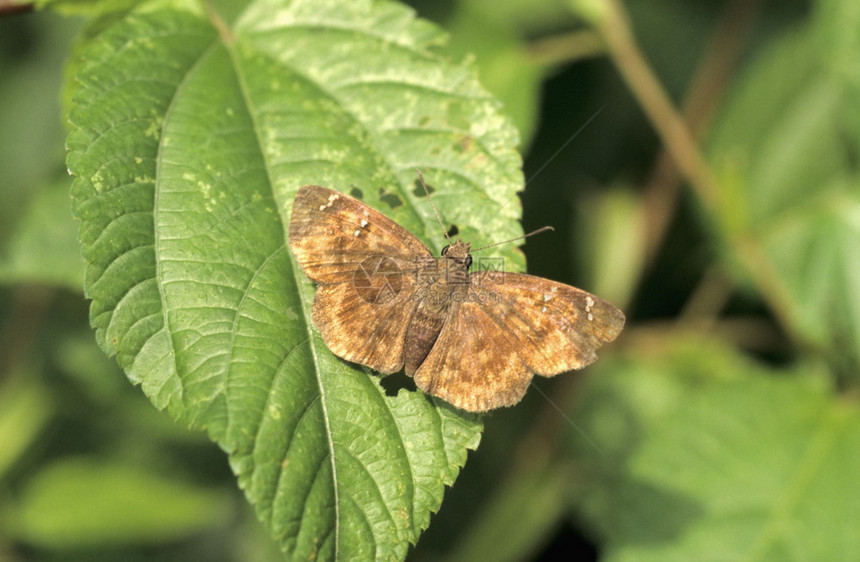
[[511, 327], [472, 365], [360, 331]]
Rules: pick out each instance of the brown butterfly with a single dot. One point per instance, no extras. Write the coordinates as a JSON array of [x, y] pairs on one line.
[[473, 339]]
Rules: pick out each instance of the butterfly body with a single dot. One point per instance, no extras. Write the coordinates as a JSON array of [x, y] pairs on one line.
[[473, 339], [443, 283]]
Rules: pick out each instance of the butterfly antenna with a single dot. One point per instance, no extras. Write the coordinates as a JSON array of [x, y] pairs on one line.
[[435, 210], [532, 233], [555, 154], [570, 422]]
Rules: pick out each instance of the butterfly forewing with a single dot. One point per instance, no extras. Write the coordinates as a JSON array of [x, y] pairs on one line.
[[366, 265], [332, 234], [554, 327]]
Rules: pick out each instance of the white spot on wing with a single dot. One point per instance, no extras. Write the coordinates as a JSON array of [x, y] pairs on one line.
[[589, 304], [331, 199]]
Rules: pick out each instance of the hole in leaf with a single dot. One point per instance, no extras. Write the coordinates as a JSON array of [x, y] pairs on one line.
[[356, 192], [418, 189], [392, 199]]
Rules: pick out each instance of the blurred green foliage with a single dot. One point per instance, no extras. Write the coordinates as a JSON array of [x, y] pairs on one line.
[[722, 425]]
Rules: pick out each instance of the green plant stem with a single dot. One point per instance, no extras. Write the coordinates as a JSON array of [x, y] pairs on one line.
[[614, 26], [9, 8], [218, 23], [566, 48], [703, 95], [670, 126]]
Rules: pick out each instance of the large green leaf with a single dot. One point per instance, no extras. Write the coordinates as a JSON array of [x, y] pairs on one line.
[[708, 456], [85, 502], [191, 136]]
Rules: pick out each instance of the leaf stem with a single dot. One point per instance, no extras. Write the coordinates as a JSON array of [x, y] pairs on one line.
[[703, 95], [218, 23], [612, 22], [616, 31], [9, 8], [565, 48]]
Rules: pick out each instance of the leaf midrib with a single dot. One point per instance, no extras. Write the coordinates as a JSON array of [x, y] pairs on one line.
[[300, 281]]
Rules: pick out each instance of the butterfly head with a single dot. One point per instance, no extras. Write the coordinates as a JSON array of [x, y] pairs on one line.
[[458, 252]]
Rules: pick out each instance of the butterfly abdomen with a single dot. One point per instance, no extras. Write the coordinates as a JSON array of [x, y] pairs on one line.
[[422, 333]]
